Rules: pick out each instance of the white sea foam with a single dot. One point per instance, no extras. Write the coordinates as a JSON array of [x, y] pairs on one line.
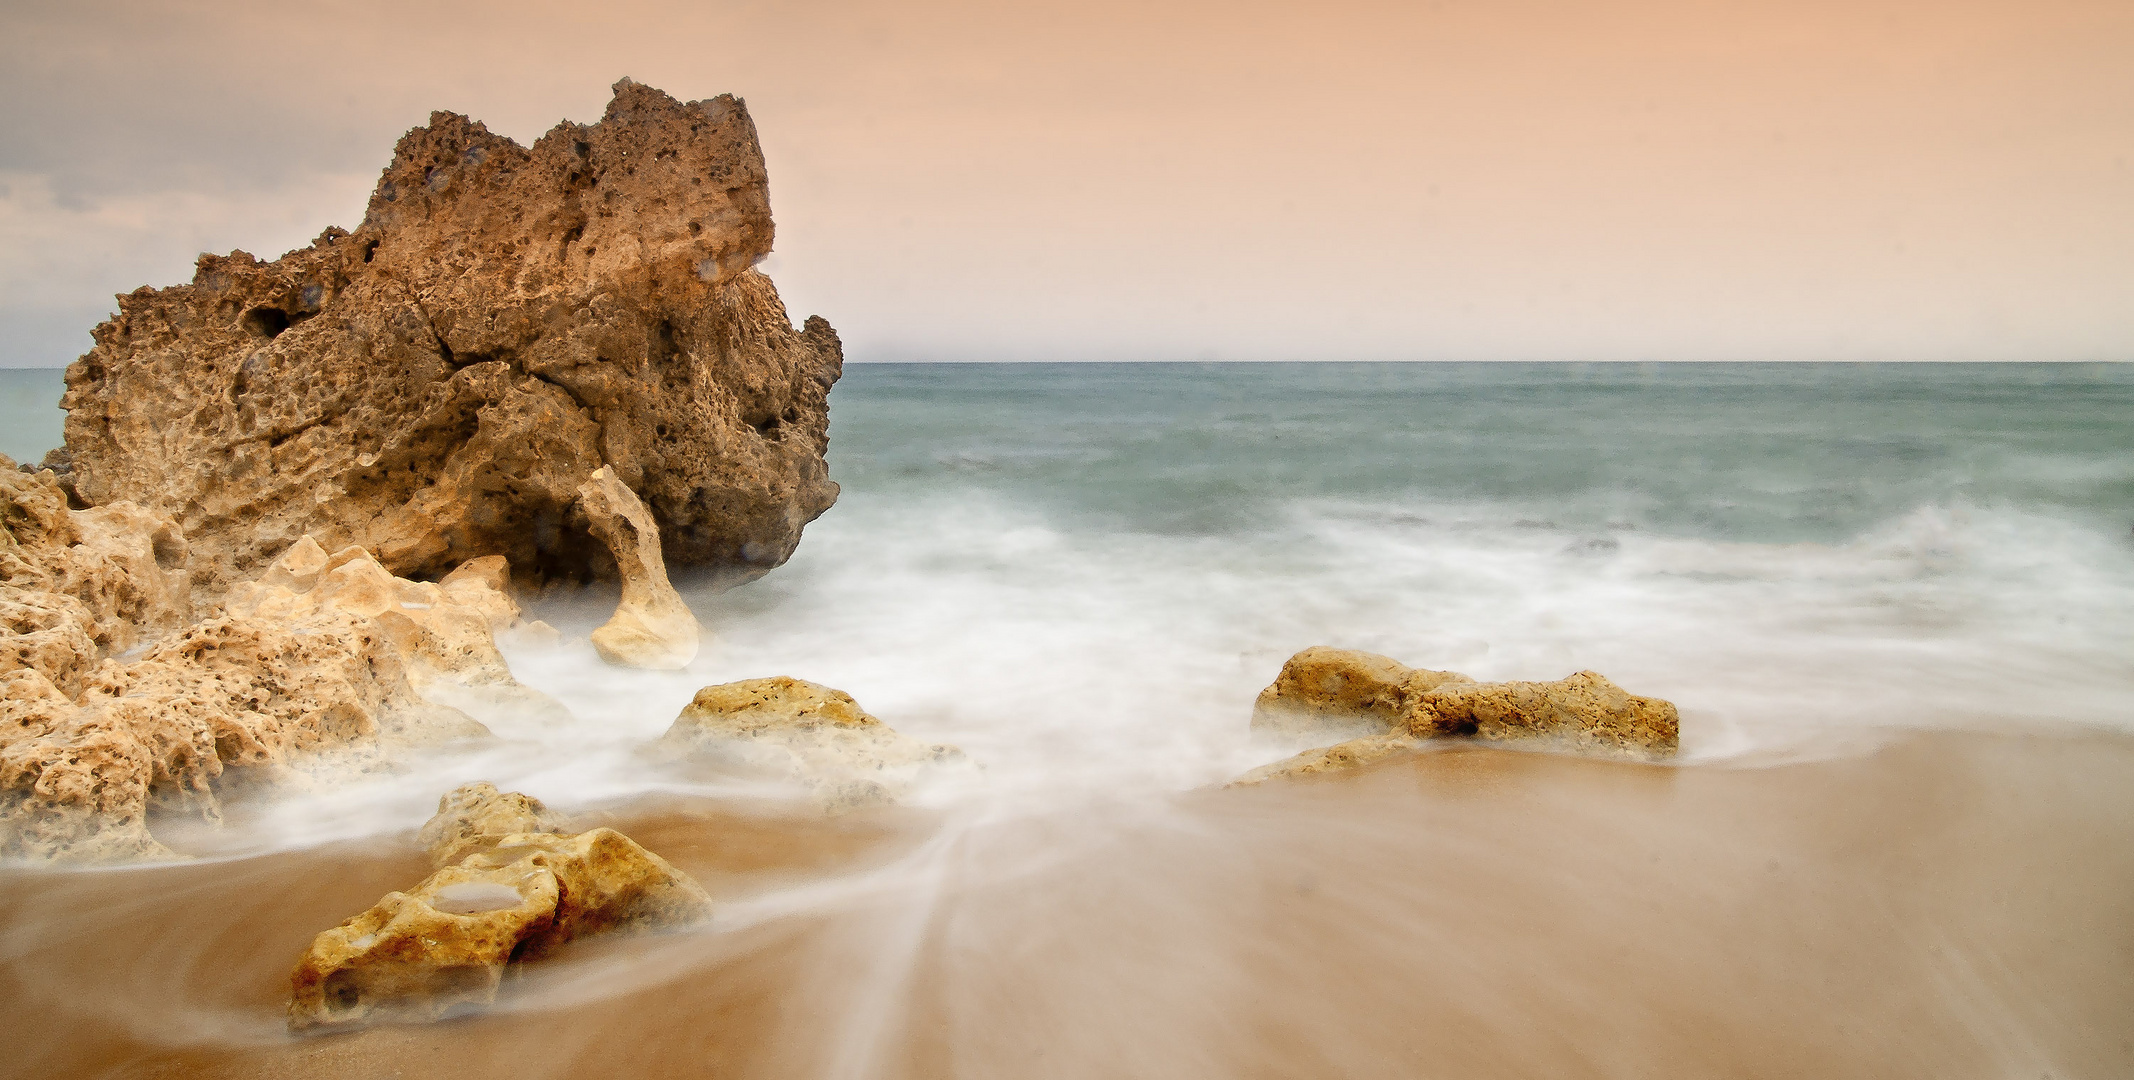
[[1079, 663]]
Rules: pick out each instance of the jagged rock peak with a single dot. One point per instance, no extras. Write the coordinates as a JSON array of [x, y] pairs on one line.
[[438, 384]]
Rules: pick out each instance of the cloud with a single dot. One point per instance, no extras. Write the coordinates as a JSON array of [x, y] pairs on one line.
[[62, 259]]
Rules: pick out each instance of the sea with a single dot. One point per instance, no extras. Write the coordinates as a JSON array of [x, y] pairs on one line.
[[1894, 604]]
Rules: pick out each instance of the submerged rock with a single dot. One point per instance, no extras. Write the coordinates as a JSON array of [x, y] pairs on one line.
[[651, 627], [1379, 708], [436, 386], [800, 731], [443, 945], [1353, 754]]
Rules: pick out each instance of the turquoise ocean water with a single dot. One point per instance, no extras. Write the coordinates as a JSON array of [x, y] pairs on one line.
[[1082, 573]]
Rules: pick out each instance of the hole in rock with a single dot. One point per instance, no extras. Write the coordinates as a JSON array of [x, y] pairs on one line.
[[342, 993], [266, 322], [475, 897], [169, 549]]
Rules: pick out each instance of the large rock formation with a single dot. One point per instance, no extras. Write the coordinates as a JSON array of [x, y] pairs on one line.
[[324, 658], [802, 732], [436, 386], [651, 627], [498, 897], [1373, 707]]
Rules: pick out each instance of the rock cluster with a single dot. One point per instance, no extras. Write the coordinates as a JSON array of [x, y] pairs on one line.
[[511, 885], [325, 658], [1378, 707], [439, 384], [805, 733]]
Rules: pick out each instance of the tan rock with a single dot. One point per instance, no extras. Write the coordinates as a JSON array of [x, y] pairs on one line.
[[111, 576], [1379, 707], [435, 386], [804, 732], [1340, 757], [326, 661], [1324, 693], [444, 945], [476, 816], [1584, 713], [652, 627], [484, 584], [444, 632], [48, 632]]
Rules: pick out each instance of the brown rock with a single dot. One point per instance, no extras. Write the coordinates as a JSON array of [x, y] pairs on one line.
[[804, 732], [443, 946], [652, 627], [476, 816], [436, 386], [1379, 707], [1584, 713], [1326, 693], [1353, 754]]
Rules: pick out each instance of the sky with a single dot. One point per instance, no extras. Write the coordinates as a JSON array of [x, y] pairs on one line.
[[1098, 180]]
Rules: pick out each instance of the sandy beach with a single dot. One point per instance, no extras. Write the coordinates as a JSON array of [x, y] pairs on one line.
[[1950, 905]]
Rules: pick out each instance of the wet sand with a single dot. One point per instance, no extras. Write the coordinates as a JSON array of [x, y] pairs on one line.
[[1949, 906]]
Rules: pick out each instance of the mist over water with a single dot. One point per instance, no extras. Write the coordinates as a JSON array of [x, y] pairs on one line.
[[1082, 574]]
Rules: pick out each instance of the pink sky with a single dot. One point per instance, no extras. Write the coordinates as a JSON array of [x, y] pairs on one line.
[[1513, 179]]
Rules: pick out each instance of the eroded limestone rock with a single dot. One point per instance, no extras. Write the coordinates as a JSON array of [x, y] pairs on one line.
[[1583, 712], [1379, 708], [327, 660], [436, 386], [476, 816], [651, 627], [443, 632], [75, 584], [443, 946], [1324, 693], [803, 732]]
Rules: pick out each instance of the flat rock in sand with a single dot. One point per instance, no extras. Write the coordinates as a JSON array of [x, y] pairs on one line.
[[444, 945]]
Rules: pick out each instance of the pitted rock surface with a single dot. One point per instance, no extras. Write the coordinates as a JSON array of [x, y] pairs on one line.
[[443, 946], [326, 661], [1372, 707], [437, 385]]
